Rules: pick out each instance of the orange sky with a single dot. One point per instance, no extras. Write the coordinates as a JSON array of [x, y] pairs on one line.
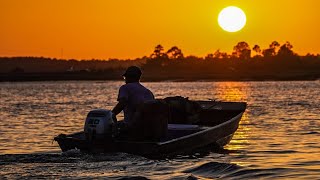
[[103, 29]]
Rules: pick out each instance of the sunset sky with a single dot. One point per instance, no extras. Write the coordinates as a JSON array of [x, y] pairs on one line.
[[103, 29]]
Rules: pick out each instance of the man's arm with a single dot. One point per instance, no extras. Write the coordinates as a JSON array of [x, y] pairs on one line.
[[119, 107], [122, 102]]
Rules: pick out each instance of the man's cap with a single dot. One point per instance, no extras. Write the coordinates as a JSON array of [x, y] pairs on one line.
[[132, 71]]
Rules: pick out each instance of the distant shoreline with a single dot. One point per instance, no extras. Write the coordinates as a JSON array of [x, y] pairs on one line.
[[25, 77], [276, 64]]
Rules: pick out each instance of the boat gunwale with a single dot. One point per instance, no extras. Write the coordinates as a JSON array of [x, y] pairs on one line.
[[202, 131]]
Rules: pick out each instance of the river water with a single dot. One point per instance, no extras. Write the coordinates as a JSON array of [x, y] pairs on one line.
[[278, 137]]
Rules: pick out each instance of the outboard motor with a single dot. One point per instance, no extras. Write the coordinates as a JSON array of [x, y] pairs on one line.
[[99, 124]]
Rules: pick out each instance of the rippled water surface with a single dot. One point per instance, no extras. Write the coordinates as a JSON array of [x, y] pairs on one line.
[[278, 137]]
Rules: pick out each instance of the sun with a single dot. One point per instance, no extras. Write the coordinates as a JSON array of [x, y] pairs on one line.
[[232, 19]]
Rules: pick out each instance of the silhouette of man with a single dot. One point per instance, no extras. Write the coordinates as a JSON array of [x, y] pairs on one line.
[[130, 96]]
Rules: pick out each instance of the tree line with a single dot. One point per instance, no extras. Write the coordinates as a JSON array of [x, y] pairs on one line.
[[278, 61], [241, 51]]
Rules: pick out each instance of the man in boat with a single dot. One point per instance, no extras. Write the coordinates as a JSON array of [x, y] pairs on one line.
[[130, 96]]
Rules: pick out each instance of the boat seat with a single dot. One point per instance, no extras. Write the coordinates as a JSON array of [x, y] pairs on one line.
[[150, 121]]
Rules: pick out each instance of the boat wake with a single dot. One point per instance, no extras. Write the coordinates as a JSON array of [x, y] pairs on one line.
[[213, 169], [75, 164]]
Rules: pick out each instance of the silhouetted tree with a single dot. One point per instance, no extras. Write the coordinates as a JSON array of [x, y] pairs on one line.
[[157, 59], [286, 50], [272, 50], [209, 56], [175, 53], [274, 45], [224, 55], [158, 52], [220, 55], [257, 49], [217, 54], [242, 50]]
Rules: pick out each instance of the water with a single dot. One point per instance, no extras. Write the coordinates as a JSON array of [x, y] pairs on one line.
[[278, 137]]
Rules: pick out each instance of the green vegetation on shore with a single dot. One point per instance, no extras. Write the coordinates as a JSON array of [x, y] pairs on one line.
[[277, 62]]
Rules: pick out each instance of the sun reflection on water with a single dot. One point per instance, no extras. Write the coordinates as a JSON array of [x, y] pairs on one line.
[[236, 92], [232, 91]]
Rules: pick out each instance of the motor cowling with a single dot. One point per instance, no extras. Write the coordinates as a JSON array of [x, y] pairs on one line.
[[99, 124]]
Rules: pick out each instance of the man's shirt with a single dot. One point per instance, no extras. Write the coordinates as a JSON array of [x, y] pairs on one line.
[[134, 94]]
